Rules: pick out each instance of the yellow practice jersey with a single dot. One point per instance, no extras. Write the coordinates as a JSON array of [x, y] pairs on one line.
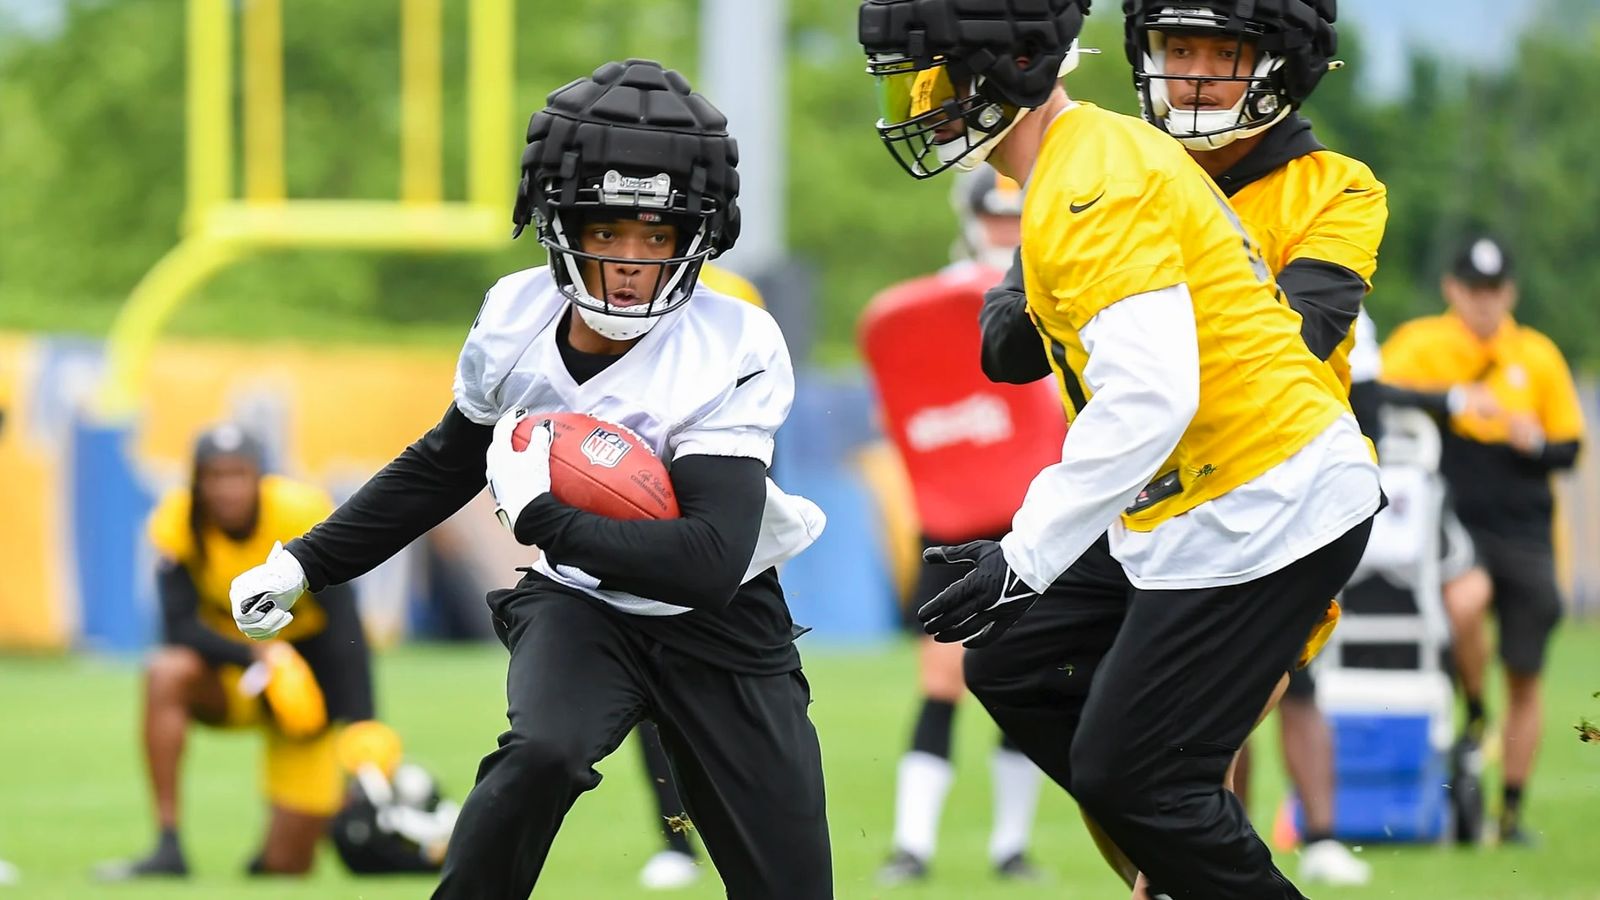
[[1319, 206], [1114, 209], [1522, 368], [288, 510]]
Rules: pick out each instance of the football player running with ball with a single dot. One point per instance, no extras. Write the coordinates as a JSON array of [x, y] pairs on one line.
[[1226, 82], [629, 179], [1214, 490]]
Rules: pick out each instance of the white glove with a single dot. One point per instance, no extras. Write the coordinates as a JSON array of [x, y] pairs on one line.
[[516, 477], [262, 596]]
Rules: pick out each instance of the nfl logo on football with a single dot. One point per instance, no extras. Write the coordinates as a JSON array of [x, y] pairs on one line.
[[604, 448]]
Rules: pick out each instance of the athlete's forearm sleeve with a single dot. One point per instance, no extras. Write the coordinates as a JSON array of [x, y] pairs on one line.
[[1560, 455], [1144, 370], [180, 619], [1328, 298], [1435, 403], [422, 487], [1366, 401], [1012, 352], [697, 560]]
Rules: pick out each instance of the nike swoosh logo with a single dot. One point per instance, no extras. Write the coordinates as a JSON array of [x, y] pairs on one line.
[[1357, 190], [1080, 207]]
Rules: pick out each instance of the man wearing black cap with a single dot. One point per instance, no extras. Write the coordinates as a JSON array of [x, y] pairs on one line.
[[1499, 453]]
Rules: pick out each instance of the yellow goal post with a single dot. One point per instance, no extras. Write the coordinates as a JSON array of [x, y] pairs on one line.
[[220, 228]]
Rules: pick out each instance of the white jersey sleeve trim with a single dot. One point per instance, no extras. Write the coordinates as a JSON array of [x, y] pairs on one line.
[[1144, 371]]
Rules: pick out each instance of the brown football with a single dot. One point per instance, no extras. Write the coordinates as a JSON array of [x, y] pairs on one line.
[[603, 468]]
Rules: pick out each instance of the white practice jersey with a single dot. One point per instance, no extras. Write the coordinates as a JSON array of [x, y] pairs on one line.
[[712, 377]]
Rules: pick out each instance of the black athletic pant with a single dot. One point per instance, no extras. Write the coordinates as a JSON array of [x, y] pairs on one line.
[[1035, 680], [580, 678], [669, 806], [1139, 715]]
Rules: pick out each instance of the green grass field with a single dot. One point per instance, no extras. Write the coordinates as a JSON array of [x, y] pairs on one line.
[[72, 790]]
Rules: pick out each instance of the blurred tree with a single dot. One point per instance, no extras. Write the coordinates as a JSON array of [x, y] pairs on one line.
[[1500, 150], [89, 196], [91, 179]]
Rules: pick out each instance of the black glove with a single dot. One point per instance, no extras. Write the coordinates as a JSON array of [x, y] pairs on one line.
[[980, 607]]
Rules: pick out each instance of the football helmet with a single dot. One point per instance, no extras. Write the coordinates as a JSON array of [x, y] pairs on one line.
[[977, 194], [229, 439], [632, 141], [368, 743], [954, 76], [396, 822], [1294, 41]]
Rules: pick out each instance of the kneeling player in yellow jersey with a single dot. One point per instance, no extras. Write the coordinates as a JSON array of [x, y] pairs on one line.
[[295, 689], [1214, 489], [1226, 83]]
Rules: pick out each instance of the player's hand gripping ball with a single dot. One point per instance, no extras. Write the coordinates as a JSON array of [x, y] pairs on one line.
[[584, 462]]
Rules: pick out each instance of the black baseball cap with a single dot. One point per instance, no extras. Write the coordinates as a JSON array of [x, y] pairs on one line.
[[1483, 260]]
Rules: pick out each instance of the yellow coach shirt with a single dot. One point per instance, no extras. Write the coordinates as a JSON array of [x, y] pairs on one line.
[[1320, 206], [288, 510], [1522, 368], [1115, 208]]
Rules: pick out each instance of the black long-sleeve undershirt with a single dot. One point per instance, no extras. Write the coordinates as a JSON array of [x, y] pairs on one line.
[[1012, 352], [1328, 298], [181, 625], [422, 487], [1434, 403], [697, 560], [1366, 401], [1560, 455], [180, 619]]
